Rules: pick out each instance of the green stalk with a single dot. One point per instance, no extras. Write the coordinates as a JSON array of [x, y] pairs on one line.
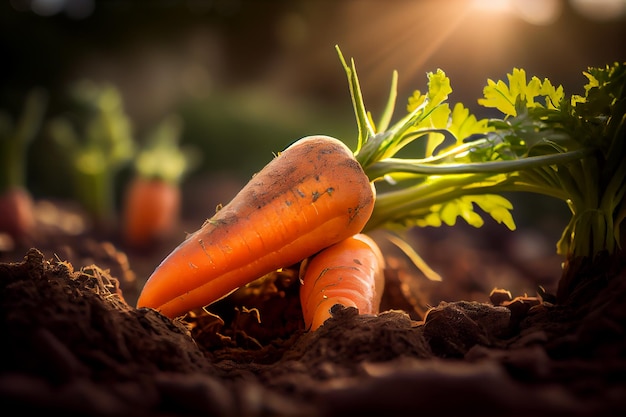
[[393, 207], [99, 143], [365, 128], [16, 138], [395, 165]]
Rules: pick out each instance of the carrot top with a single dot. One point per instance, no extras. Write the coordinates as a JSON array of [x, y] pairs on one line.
[[544, 143], [162, 157]]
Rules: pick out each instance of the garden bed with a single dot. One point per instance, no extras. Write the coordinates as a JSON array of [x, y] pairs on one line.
[[73, 342]]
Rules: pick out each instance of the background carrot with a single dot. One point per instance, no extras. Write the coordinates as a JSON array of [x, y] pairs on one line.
[[151, 211], [312, 195], [152, 200], [17, 218], [350, 273]]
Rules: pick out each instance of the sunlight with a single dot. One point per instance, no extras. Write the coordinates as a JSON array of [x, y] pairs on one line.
[[536, 12], [494, 6]]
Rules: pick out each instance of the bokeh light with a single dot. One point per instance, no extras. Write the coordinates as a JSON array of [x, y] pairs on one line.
[[600, 9], [545, 12], [75, 9]]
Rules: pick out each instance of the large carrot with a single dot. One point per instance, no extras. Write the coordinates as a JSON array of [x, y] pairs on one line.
[[312, 195], [349, 273]]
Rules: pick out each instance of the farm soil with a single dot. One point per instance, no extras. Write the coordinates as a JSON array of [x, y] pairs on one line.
[[483, 341]]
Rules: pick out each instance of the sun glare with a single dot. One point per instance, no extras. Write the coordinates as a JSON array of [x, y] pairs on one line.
[[536, 12], [545, 12], [494, 6]]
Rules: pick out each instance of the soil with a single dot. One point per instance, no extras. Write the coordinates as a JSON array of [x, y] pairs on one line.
[[483, 341]]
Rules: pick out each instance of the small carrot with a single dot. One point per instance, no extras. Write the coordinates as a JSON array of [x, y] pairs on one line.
[[151, 211], [17, 217], [350, 273], [312, 195], [152, 200]]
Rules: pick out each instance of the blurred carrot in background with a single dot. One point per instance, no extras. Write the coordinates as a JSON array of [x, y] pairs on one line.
[[152, 199], [17, 220]]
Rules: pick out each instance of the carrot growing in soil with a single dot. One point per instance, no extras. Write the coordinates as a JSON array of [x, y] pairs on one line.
[[349, 273], [312, 195], [463, 164], [152, 200], [17, 218]]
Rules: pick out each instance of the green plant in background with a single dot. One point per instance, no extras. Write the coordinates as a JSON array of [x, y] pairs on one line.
[[96, 136], [16, 205], [571, 148]]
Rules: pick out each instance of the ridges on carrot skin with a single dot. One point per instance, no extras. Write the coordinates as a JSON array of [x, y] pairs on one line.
[[349, 273], [312, 195]]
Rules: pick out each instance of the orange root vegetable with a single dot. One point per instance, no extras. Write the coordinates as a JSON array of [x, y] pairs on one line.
[[312, 195], [350, 273], [17, 217], [151, 211]]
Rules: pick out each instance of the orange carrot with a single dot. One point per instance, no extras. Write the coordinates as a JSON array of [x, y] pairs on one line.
[[312, 195], [350, 273], [152, 202], [17, 217], [151, 210]]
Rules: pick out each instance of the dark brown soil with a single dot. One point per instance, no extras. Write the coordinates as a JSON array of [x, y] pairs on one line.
[[74, 344]]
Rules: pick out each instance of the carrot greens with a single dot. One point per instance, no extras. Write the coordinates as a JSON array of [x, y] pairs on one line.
[[162, 157], [570, 148]]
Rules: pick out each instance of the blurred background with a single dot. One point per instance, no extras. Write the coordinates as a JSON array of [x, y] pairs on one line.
[[248, 77]]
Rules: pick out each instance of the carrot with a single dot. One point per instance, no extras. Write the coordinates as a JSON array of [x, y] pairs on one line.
[[312, 195], [152, 200], [151, 211], [350, 273], [17, 216]]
